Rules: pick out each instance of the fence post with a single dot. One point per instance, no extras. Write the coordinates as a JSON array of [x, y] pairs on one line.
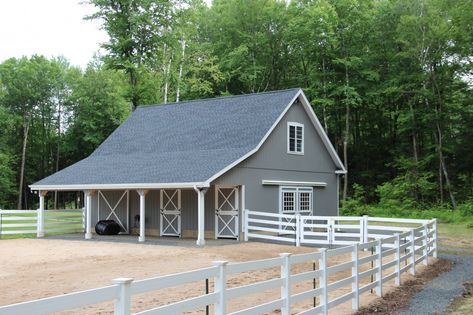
[[323, 281], [355, 302], [362, 228], [122, 302], [220, 286], [298, 229], [245, 224], [434, 225], [330, 230], [413, 252], [397, 257], [365, 229], [426, 244], [379, 267], [286, 285]]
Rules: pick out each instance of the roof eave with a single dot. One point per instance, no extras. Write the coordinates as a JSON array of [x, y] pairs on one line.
[[125, 186]]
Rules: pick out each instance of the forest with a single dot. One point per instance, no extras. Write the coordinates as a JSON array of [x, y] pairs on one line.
[[390, 80]]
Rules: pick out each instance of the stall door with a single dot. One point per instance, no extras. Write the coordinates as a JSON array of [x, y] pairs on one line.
[[114, 205], [226, 212], [170, 217]]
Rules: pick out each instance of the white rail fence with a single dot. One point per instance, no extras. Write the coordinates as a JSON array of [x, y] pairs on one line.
[[371, 265], [55, 221]]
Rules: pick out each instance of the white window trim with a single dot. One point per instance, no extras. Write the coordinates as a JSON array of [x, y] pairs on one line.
[[295, 124], [297, 191]]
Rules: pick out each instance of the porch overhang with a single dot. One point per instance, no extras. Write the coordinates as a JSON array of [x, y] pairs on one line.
[[78, 187]]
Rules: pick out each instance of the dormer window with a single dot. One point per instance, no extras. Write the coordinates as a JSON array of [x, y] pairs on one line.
[[295, 138]]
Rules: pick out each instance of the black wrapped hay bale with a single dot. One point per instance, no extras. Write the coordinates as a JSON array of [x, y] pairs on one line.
[[107, 227]]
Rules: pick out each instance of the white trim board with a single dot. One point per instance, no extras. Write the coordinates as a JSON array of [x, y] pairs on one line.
[[292, 183], [117, 186]]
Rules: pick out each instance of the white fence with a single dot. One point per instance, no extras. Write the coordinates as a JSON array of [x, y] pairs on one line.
[[371, 265], [55, 221]]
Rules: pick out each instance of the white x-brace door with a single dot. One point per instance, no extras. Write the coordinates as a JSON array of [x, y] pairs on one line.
[[122, 220], [170, 205], [226, 212]]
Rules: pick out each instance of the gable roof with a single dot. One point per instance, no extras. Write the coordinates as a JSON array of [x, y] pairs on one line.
[[181, 144]]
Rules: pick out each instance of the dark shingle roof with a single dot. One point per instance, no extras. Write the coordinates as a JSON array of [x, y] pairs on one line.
[[178, 143]]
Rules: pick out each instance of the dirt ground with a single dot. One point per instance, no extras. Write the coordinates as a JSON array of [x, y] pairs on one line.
[[37, 268]]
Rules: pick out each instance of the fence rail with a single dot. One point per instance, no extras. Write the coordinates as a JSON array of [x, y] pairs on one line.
[[394, 250], [55, 221]]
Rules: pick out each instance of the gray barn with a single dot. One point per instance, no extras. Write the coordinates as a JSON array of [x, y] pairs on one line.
[[190, 168]]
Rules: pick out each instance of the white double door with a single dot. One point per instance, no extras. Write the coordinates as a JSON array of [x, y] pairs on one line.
[[226, 212], [170, 212]]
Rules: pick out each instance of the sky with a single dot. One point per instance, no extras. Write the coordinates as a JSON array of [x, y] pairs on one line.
[[50, 28]]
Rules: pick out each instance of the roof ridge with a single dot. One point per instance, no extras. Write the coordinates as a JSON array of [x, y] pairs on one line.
[[217, 98]]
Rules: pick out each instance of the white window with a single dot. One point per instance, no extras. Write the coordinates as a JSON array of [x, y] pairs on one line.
[[295, 200], [295, 138]]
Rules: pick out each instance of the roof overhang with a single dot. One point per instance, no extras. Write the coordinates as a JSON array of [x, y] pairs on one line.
[[80, 187], [292, 183]]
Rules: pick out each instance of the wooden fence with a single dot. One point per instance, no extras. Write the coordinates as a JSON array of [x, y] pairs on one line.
[[55, 221], [372, 264]]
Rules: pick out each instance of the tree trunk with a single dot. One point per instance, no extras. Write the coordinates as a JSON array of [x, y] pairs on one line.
[[178, 91], [26, 128], [324, 85], [57, 149], [347, 136]]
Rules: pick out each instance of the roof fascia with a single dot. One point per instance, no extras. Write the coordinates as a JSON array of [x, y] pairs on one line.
[[118, 186]]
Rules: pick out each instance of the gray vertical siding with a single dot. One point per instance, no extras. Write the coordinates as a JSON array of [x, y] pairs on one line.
[[272, 162]]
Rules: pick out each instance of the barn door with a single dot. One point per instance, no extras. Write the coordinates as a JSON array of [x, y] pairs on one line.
[[115, 207], [170, 205], [226, 212]]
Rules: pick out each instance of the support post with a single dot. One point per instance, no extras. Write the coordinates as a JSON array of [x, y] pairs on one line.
[[220, 285], [379, 267], [365, 229], [200, 215], [286, 285], [88, 216], [122, 303], [397, 257], [413, 252], [426, 244], [298, 229], [323, 280], [245, 225], [40, 214], [355, 302], [434, 225], [142, 194]]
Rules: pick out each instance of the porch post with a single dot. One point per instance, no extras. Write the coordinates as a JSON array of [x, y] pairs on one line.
[[40, 214], [142, 194], [88, 216], [201, 215]]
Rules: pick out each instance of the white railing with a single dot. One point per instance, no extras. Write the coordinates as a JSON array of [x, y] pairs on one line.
[[370, 265], [55, 221]]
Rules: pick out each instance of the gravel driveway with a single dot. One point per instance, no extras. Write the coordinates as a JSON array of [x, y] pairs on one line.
[[440, 292]]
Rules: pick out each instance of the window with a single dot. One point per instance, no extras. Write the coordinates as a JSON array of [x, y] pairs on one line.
[[295, 138], [296, 200]]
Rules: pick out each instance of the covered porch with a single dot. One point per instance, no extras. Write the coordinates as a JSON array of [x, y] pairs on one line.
[[172, 211]]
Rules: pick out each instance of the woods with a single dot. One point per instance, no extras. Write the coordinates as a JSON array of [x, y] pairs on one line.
[[390, 80]]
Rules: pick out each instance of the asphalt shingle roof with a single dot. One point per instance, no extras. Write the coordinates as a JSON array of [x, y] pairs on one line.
[[178, 143]]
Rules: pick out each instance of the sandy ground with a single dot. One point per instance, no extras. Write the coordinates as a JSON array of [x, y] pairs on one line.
[[37, 268]]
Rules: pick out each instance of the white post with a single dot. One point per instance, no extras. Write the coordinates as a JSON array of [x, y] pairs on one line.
[[88, 215], [323, 280], [298, 229], [40, 214], [142, 194], [413, 252], [379, 267], [201, 215], [220, 287], [362, 228], [355, 302], [331, 233], [245, 218], [434, 225], [397, 257], [365, 229], [286, 285], [122, 302], [426, 244]]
